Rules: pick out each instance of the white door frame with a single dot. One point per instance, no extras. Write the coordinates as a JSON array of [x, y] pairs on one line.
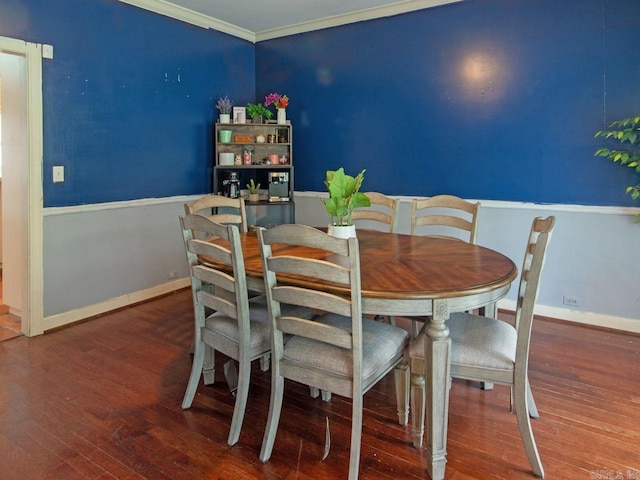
[[32, 308]]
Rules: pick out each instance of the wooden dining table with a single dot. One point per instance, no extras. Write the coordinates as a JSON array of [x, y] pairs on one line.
[[418, 276]]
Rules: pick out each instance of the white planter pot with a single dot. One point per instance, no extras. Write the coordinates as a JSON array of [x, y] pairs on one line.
[[342, 231], [225, 118]]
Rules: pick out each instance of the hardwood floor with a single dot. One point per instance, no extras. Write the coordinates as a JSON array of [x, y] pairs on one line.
[[101, 400], [10, 326]]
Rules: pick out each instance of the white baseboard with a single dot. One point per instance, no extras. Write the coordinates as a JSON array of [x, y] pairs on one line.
[[89, 311], [586, 318]]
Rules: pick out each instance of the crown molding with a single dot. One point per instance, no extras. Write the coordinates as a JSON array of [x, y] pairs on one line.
[[372, 13], [194, 18]]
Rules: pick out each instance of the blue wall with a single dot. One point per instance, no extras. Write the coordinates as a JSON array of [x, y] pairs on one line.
[[129, 97], [488, 99]]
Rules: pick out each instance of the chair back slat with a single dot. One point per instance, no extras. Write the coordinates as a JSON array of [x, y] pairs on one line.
[[445, 221], [310, 267], [317, 331], [309, 237], [214, 277], [212, 252], [448, 201], [312, 299], [218, 303]]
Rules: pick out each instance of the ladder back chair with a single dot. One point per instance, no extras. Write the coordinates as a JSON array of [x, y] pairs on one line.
[[239, 328], [445, 216], [381, 215], [220, 209], [489, 350], [339, 351]]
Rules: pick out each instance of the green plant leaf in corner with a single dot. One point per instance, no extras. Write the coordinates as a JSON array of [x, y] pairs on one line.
[[624, 130]]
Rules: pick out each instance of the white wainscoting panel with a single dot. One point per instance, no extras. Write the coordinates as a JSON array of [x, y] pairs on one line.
[[101, 257]]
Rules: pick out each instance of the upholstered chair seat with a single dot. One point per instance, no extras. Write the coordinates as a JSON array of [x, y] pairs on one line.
[[381, 343]]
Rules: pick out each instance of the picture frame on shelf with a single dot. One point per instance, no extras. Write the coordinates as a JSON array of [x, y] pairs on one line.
[[282, 135], [239, 114]]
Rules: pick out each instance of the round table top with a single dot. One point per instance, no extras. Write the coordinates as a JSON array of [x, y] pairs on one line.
[[410, 267]]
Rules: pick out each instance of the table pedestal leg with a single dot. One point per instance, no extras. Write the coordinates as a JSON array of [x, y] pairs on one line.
[[438, 357], [437, 404]]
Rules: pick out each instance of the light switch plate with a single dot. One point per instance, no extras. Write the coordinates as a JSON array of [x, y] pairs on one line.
[[58, 173], [47, 51]]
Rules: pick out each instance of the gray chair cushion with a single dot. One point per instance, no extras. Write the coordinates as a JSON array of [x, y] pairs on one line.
[[225, 326], [482, 342], [259, 324], [380, 343]]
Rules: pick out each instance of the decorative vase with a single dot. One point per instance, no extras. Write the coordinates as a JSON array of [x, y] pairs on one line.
[[342, 231], [282, 116], [225, 135], [225, 118], [254, 197]]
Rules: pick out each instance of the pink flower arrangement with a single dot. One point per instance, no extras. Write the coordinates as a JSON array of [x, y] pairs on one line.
[[279, 101]]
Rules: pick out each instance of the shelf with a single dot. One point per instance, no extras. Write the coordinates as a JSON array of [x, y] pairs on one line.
[[272, 123], [253, 167], [263, 144], [277, 178]]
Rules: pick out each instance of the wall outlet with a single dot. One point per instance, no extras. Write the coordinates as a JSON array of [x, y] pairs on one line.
[[572, 301], [173, 274]]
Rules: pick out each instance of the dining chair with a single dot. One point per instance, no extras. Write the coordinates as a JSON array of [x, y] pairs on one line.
[[445, 216], [340, 351], [488, 350], [221, 209], [381, 215], [239, 326]]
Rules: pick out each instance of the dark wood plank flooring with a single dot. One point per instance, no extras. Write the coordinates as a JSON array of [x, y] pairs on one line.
[[101, 400]]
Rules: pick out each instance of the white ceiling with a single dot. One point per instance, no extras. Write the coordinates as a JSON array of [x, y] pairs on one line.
[[257, 20]]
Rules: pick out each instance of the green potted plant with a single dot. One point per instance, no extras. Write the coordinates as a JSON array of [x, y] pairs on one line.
[[625, 131], [344, 196], [258, 112], [254, 191]]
